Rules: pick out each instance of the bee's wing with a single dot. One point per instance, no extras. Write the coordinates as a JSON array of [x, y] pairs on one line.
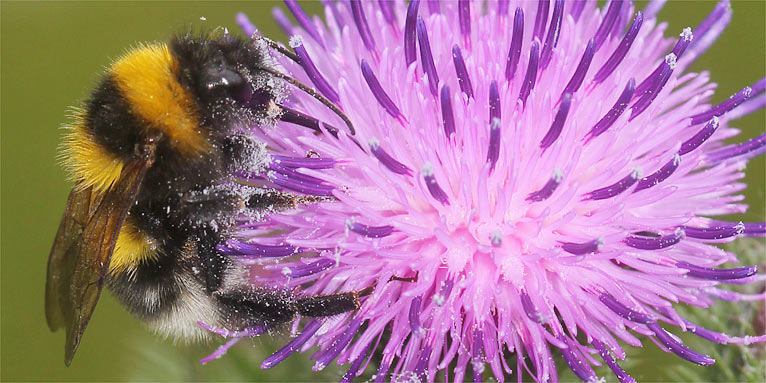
[[81, 253], [60, 266]]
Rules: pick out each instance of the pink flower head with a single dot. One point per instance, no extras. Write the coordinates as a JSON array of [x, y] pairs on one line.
[[528, 178]]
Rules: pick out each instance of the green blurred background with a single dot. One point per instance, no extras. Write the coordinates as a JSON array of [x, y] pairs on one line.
[[54, 52]]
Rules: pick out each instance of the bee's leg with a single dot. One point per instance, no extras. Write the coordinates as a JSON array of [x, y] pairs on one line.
[[329, 305], [264, 199], [202, 213], [213, 263], [268, 199], [247, 307], [404, 279], [203, 205]]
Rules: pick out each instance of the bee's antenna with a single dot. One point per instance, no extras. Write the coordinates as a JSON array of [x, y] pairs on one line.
[[310, 91], [279, 48], [313, 93]]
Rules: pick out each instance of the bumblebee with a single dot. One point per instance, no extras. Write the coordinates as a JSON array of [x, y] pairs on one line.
[[152, 153]]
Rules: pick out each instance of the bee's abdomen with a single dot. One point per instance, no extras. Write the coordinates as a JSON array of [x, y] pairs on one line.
[[150, 288], [170, 292]]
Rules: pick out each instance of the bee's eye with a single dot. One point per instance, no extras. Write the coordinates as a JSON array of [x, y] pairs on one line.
[[218, 73], [221, 76]]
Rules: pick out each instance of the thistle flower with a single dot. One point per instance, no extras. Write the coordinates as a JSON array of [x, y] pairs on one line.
[[522, 179], [739, 362]]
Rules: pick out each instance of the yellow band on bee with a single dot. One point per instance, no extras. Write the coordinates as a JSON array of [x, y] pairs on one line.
[[89, 163], [132, 248]]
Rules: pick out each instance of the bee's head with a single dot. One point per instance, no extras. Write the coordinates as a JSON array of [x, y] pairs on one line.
[[226, 75]]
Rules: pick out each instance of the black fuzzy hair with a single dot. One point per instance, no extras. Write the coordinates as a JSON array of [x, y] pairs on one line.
[[200, 60]]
